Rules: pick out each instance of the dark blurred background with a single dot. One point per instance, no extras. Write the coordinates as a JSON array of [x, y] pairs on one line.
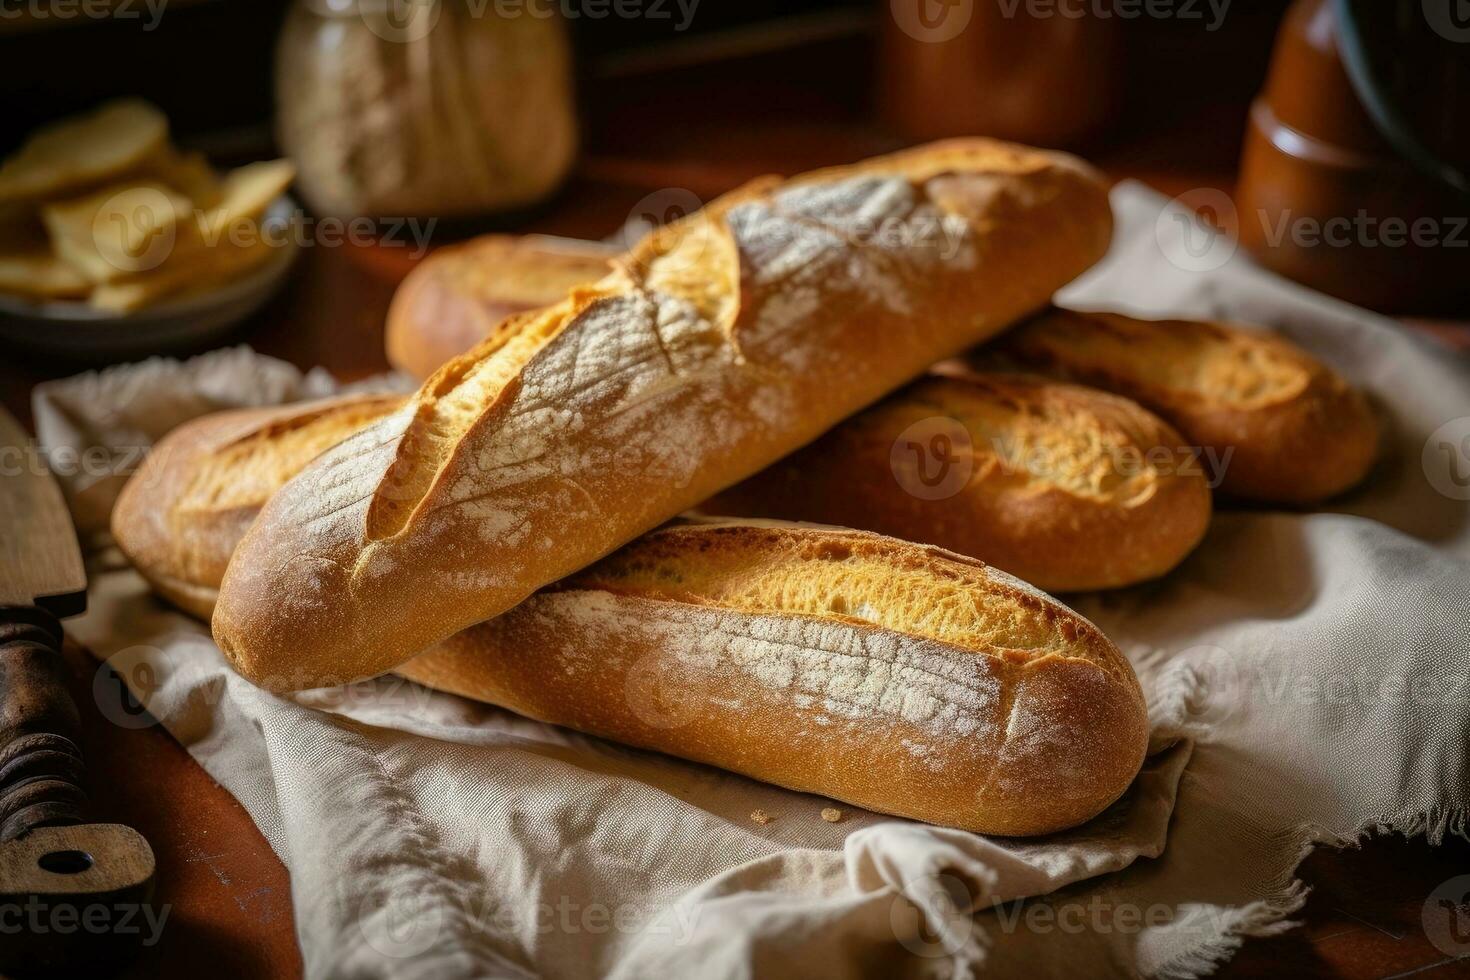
[[208, 65], [704, 94]]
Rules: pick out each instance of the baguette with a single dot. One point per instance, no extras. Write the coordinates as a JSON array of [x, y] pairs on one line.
[[459, 295], [1282, 426], [1063, 486], [888, 675], [719, 344], [180, 517]]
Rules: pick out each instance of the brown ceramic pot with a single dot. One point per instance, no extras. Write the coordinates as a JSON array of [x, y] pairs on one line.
[[1323, 198]]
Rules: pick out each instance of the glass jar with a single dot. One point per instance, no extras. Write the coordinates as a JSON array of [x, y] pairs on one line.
[[425, 108]]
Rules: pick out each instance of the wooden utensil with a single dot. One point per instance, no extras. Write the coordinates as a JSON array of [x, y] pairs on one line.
[[67, 884]]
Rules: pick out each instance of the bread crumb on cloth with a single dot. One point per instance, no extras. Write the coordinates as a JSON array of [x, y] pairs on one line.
[[761, 817], [831, 814]]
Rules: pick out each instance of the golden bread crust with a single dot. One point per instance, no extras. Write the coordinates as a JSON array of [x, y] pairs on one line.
[[1068, 488], [180, 517], [884, 674], [1297, 433]]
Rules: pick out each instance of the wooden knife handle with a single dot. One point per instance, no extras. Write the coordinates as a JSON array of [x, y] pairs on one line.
[[41, 769]]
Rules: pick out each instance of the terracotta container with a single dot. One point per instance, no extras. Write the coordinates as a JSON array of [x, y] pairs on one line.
[[1325, 200], [967, 69]]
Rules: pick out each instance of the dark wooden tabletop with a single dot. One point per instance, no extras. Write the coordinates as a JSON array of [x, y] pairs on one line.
[[230, 896]]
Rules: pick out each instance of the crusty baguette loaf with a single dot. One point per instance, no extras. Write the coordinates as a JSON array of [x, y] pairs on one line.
[[458, 295], [1066, 487], [180, 517], [1295, 432], [719, 344], [889, 675]]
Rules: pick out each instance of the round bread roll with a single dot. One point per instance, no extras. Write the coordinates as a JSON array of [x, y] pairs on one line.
[[460, 295]]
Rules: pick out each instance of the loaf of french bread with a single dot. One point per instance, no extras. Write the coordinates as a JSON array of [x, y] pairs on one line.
[[717, 345], [1278, 425], [459, 295], [1066, 487], [181, 515], [888, 675]]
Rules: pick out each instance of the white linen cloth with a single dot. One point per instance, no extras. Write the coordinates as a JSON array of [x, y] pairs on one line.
[[1310, 670]]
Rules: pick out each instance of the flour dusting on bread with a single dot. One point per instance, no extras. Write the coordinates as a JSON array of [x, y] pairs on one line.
[[959, 694]]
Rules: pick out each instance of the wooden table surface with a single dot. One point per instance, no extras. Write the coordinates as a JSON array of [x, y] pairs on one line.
[[230, 896]]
